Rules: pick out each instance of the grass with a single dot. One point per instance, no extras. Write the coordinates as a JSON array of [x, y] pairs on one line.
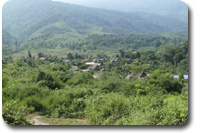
[[59, 53]]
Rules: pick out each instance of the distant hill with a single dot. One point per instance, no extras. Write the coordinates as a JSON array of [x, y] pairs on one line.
[[7, 38], [43, 22], [170, 8], [9, 43]]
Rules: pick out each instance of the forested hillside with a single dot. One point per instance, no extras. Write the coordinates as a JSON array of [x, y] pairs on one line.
[[131, 42], [45, 23], [172, 8], [9, 43]]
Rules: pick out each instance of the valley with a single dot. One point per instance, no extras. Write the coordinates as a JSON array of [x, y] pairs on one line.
[[68, 64]]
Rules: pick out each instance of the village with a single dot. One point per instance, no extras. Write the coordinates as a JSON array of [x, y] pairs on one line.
[[98, 66]]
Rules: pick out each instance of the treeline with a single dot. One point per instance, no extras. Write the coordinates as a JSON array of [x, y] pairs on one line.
[[123, 41], [57, 92], [172, 59], [95, 42]]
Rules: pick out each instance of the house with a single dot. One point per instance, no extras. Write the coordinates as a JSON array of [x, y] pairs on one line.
[[103, 69], [115, 60], [136, 60], [112, 60], [43, 58], [185, 76], [92, 63], [53, 63], [148, 75], [176, 76], [66, 61], [93, 67], [86, 60], [129, 62], [95, 60], [85, 70], [136, 74], [74, 69], [98, 77]]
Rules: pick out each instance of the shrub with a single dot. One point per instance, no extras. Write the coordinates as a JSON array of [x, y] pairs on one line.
[[46, 79], [15, 115], [107, 109], [33, 102], [81, 78], [165, 81]]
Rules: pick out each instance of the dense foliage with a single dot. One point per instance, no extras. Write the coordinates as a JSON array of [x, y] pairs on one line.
[[133, 42], [31, 85]]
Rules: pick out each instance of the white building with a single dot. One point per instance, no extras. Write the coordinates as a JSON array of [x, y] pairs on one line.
[[92, 63]]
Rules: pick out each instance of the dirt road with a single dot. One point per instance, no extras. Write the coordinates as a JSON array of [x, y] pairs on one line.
[[38, 121]]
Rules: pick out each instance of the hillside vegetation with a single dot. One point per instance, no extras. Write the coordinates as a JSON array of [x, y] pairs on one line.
[[43, 23], [171, 8], [51, 88]]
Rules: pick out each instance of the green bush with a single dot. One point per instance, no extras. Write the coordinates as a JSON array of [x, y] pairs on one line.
[[55, 92], [35, 103], [81, 78], [107, 109], [47, 79], [15, 115], [165, 81]]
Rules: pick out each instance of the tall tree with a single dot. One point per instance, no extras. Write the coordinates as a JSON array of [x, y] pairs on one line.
[[29, 54], [70, 56]]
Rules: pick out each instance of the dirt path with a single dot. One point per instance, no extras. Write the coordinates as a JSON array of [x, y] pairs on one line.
[[37, 120]]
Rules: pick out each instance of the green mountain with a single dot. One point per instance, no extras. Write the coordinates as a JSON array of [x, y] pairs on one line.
[[48, 23], [7, 38], [9, 43], [171, 8]]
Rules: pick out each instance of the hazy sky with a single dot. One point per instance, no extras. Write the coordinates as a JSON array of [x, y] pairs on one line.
[[132, 5], [121, 2]]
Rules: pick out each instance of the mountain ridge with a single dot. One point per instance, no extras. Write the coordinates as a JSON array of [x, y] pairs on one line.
[[103, 17], [50, 23], [173, 8]]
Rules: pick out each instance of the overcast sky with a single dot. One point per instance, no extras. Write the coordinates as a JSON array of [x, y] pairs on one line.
[[131, 5]]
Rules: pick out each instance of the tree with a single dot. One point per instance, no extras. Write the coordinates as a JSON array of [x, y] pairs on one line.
[[165, 81], [178, 57], [181, 77], [41, 55], [15, 115], [122, 52], [157, 43], [138, 54], [151, 56], [29, 54], [117, 55], [70, 56], [31, 62], [76, 56]]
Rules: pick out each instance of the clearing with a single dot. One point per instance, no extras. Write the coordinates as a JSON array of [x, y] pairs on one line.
[[42, 120]]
